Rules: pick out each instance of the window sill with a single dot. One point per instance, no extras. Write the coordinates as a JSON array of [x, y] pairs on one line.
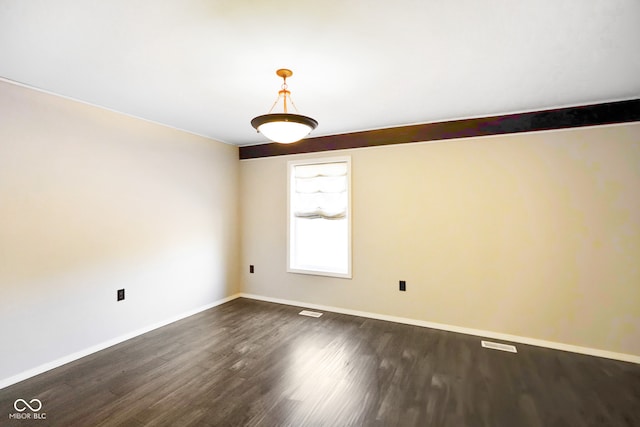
[[320, 273]]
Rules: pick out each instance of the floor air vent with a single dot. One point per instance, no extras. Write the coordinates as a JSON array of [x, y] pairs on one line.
[[310, 313], [498, 346]]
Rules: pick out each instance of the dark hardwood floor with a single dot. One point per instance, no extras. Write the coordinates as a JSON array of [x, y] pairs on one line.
[[252, 363]]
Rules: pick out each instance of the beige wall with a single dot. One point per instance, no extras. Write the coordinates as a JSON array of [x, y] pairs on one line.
[[535, 235], [93, 201]]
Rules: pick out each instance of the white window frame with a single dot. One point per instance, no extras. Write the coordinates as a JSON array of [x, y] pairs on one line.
[[290, 188]]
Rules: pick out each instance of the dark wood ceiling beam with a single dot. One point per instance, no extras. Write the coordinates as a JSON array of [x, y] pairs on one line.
[[561, 118]]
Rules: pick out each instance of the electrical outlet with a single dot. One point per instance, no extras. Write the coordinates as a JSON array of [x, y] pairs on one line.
[[403, 285], [251, 269], [120, 294]]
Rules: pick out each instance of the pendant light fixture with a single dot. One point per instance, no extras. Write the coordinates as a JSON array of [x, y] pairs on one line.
[[284, 127]]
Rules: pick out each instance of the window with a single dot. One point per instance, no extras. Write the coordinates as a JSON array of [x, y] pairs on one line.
[[320, 217]]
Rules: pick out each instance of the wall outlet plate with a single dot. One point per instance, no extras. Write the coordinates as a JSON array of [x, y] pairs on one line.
[[403, 285], [120, 294]]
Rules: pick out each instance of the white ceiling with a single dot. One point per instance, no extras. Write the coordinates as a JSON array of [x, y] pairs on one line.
[[208, 66]]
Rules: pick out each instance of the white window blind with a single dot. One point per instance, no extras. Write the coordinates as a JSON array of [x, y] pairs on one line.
[[319, 217]]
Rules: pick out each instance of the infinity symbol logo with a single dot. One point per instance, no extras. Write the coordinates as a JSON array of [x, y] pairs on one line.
[[26, 405]]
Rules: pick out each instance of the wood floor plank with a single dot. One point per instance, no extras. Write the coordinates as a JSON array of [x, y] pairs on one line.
[[252, 363]]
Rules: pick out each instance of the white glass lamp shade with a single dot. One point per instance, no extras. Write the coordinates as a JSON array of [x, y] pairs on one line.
[[283, 127]]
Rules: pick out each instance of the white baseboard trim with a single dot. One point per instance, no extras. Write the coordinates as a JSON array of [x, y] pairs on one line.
[[451, 328], [6, 382]]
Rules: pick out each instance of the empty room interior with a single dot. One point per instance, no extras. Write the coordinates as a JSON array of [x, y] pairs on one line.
[[453, 239]]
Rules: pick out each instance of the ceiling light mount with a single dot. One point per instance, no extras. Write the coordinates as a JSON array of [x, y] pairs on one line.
[[284, 127], [284, 73]]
